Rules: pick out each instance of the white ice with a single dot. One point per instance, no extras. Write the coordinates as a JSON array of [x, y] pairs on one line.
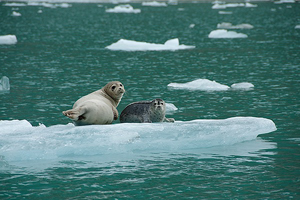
[[208, 85], [284, 1], [225, 12], [242, 86], [130, 45], [49, 5], [16, 14], [19, 140], [220, 5], [297, 26], [14, 4], [227, 25], [200, 84], [250, 5], [154, 4], [8, 39], [222, 33], [4, 84], [170, 108], [126, 8]]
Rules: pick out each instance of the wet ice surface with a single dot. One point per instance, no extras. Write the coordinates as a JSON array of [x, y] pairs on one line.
[[22, 141]]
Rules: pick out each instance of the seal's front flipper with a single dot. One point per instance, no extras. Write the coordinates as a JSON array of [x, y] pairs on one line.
[[169, 120], [75, 114]]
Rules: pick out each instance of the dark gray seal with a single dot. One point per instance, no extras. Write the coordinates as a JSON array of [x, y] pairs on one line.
[[145, 112]]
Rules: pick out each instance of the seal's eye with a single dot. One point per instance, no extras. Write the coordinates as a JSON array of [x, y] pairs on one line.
[[113, 87], [121, 85]]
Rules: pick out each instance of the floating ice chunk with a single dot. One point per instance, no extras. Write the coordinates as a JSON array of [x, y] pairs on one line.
[[242, 86], [226, 25], [63, 5], [40, 11], [4, 84], [250, 5], [219, 6], [14, 4], [225, 12], [284, 1], [16, 14], [222, 33], [123, 9], [170, 108], [130, 45], [200, 84], [173, 2], [233, 5], [192, 25], [297, 26], [8, 39], [154, 3], [22, 141]]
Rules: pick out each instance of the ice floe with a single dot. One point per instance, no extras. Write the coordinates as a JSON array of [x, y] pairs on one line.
[[20, 141], [170, 108], [126, 8], [200, 84], [154, 4], [284, 1], [242, 86], [4, 84], [208, 85], [8, 39], [222, 33], [15, 4], [225, 12], [250, 5], [220, 5], [227, 25], [16, 14], [297, 26], [130, 45]]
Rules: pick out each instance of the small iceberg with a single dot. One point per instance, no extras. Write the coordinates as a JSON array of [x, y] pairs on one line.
[[16, 14], [8, 39], [242, 86], [130, 45], [250, 5], [284, 1], [226, 25], [219, 6], [123, 9], [170, 108], [4, 84], [225, 12], [154, 4], [200, 84], [14, 4], [20, 141], [222, 33]]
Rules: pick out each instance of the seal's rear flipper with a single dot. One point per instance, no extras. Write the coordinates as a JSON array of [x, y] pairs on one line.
[[75, 113]]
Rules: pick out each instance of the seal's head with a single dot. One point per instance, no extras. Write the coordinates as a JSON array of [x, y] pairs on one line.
[[115, 90], [158, 104]]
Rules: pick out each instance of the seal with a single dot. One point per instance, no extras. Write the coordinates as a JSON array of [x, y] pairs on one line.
[[98, 107], [145, 112]]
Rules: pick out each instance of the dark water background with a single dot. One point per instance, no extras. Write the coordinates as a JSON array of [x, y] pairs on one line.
[[61, 56]]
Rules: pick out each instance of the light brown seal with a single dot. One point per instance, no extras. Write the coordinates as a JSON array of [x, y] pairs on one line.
[[98, 107], [145, 112]]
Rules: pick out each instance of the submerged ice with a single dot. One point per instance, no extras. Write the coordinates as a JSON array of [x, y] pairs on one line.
[[4, 84], [130, 45], [19, 140]]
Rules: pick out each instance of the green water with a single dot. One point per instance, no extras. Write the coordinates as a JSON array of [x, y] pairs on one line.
[[61, 56]]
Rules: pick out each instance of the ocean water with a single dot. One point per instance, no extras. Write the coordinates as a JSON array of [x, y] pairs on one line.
[[225, 144]]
